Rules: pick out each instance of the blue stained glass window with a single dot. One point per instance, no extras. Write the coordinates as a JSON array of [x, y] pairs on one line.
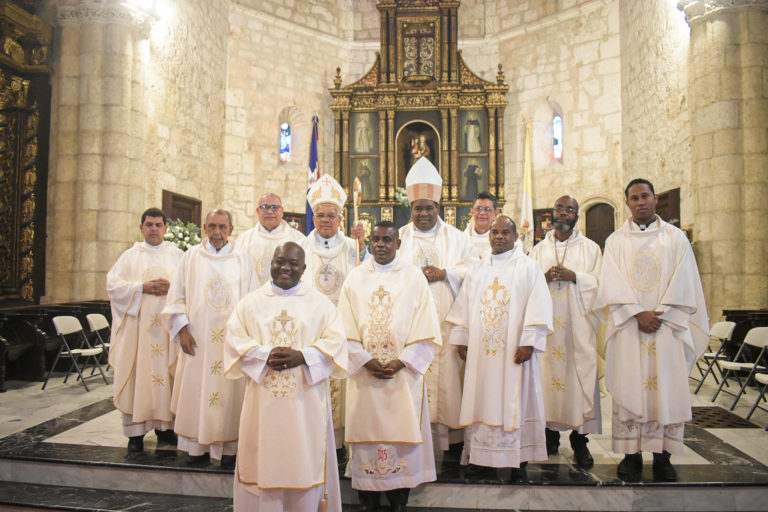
[[557, 137], [285, 142]]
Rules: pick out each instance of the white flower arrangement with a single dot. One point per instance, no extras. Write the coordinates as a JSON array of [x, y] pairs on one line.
[[183, 234], [401, 196]]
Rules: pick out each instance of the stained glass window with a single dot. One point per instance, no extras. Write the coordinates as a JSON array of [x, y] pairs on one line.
[[557, 137], [285, 142]]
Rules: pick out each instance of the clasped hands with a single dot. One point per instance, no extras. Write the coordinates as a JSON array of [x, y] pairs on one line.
[[560, 273], [384, 371], [157, 286], [433, 273], [284, 358], [649, 321]]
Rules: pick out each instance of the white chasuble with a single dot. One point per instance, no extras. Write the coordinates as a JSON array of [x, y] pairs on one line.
[[647, 374], [503, 304], [569, 365], [206, 288], [261, 245], [285, 428], [389, 315], [327, 268], [447, 248], [139, 342]]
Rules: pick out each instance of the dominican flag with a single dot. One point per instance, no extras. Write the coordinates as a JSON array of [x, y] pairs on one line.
[[313, 172]]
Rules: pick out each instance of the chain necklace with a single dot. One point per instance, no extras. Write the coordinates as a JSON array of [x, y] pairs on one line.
[[558, 260]]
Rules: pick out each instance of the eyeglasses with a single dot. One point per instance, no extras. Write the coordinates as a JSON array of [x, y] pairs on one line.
[[272, 207], [561, 208], [483, 208]]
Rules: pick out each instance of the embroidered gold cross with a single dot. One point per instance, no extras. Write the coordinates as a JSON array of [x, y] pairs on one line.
[[557, 384], [158, 380], [213, 401], [380, 293], [217, 335], [650, 383], [495, 287], [558, 353], [156, 350], [649, 348], [155, 322], [559, 323], [217, 367], [283, 318]]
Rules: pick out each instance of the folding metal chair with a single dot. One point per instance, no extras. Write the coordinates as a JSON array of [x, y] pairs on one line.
[[757, 337], [98, 323], [721, 331], [73, 350], [761, 378]]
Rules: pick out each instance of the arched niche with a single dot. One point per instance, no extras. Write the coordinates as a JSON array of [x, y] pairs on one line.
[[598, 219], [416, 139]]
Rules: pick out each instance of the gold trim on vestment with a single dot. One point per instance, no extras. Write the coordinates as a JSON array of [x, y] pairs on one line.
[[146, 420], [432, 339], [489, 425], [383, 442], [456, 323], [198, 440]]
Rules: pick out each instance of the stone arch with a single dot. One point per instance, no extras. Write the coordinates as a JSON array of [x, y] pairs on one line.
[[584, 210], [301, 131]]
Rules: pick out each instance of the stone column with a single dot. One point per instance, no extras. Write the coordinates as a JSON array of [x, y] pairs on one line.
[[729, 107], [99, 126]]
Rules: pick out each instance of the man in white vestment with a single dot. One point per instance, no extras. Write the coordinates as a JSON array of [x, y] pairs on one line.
[[210, 280], [501, 319], [393, 331], [571, 264], [261, 240], [657, 327], [483, 214], [330, 256], [286, 338], [444, 255], [137, 285]]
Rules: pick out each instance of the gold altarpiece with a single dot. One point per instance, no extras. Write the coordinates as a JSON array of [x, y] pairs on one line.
[[25, 93], [419, 100]]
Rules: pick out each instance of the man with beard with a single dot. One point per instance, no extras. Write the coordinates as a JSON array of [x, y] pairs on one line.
[[209, 281], [501, 319], [571, 264], [483, 214], [444, 254], [393, 331], [286, 338], [657, 328]]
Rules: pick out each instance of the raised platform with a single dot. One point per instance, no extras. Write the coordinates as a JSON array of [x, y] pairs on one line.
[[76, 460]]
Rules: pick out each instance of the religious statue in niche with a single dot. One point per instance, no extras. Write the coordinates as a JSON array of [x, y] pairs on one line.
[[364, 133], [364, 168], [419, 49], [473, 178], [415, 140], [472, 124]]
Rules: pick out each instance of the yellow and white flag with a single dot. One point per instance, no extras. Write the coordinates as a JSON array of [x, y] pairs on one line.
[[525, 227]]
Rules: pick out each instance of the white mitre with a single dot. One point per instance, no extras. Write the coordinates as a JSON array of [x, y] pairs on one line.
[[423, 181], [326, 190]]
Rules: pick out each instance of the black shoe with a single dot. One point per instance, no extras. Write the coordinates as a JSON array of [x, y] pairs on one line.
[[631, 468], [136, 444], [581, 454], [167, 437], [398, 499], [228, 461], [198, 460], [475, 473], [454, 451], [553, 441], [519, 475], [663, 470], [369, 501]]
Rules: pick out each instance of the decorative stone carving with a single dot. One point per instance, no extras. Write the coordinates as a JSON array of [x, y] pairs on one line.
[[696, 9], [90, 11]]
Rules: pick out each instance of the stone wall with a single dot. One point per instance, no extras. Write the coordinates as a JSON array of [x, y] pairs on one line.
[[281, 65], [656, 132], [133, 111], [565, 58]]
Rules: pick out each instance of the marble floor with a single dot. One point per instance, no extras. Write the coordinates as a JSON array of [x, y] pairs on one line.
[[62, 438]]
